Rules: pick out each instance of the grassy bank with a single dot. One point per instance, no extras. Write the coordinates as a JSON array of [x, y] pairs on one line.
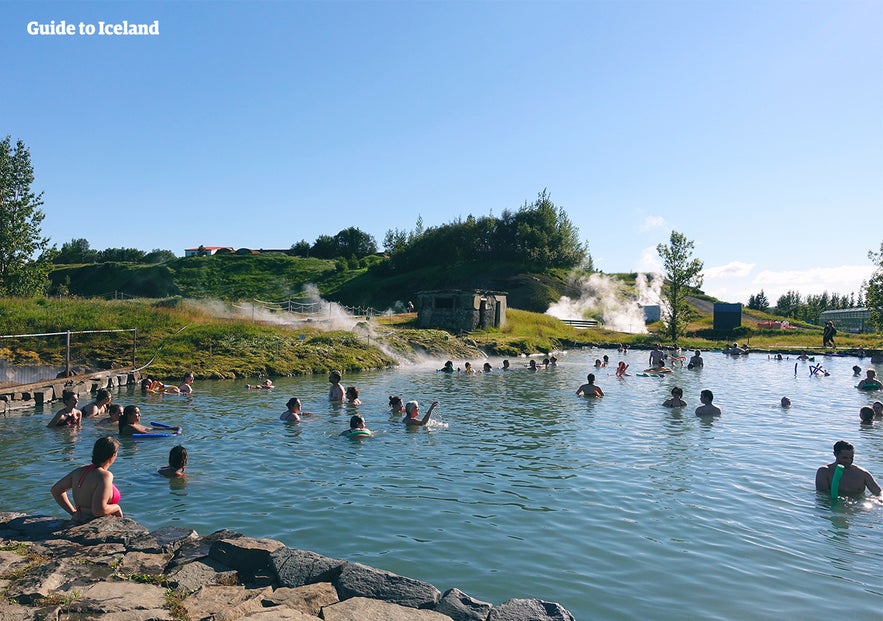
[[214, 341]]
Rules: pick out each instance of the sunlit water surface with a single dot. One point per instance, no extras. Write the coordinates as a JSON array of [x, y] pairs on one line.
[[617, 508]]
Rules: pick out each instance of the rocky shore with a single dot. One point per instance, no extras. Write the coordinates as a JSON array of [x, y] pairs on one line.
[[114, 569]]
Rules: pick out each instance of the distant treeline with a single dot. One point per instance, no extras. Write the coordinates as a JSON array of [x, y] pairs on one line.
[[78, 251], [808, 308]]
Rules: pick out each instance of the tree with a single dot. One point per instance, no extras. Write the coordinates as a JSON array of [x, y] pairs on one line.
[[301, 248], [758, 302], [159, 256], [873, 290], [20, 218], [354, 242], [76, 251], [682, 274]]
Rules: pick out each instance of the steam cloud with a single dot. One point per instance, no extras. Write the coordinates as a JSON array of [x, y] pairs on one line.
[[610, 301]]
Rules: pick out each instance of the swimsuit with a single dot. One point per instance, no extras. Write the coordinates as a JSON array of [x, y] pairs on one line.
[[114, 498]]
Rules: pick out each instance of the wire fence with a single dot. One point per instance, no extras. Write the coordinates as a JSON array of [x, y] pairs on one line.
[[33, 358], [306, 310]]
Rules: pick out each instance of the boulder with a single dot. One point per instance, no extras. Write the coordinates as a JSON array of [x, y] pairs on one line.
[[357, 580], [529, 610], [296, 568], [461, 607], [307, 599], [363, 609]]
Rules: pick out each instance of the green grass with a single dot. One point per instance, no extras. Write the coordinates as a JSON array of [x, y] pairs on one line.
[[181, 336]]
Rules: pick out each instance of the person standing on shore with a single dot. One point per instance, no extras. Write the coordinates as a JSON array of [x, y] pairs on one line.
[[828, 334]]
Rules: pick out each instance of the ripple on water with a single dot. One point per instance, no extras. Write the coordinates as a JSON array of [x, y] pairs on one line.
[[615, 507]]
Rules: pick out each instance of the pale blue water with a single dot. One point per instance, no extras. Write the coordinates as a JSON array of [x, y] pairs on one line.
[[617, 508]]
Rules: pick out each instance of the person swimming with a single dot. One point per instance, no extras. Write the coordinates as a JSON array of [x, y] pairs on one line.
[[676, 401], [357, 428], [412, 410], [177, 463]]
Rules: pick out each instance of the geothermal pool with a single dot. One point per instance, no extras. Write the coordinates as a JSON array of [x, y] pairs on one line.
[[617, 507]]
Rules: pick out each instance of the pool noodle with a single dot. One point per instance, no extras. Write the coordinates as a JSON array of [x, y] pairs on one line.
[[152, 435], [835, 481], [161, 425]]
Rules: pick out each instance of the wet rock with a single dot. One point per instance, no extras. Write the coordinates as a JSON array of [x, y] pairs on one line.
[[250, 557], [279, 614], [296, 568], [171, 538], [461, 607], [529, 610], [357, 580]]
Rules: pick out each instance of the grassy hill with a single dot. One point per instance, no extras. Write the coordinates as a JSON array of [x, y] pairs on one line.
[[276, 277]]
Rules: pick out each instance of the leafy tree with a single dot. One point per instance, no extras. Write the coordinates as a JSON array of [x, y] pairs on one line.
[[788, 304], [758, 302], [324, 248], [159, 256], [122, 255], [20, 218], [76, 251], [301, 248], [682, 274], [354, 242], [874, 289], [539, 236]]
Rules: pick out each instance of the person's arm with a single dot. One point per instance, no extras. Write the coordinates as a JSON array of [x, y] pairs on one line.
[[100, 496], [872, 484], [425, 419], [598, 392], [56, 419], [823, 481], [59, 493]]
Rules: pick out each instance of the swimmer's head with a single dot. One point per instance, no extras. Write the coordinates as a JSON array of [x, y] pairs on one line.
[[410, 406], [334, 377], [677, 391], [866, 414], [786, 402], [178, 457], [293, 403], [357, 422]]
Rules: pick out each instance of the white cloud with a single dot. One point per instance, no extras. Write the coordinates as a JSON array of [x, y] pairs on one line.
[[732, 286], [651, 223], [649, 262], [738, 269]]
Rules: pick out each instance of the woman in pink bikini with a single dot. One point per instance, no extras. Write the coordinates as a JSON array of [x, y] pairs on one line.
[[94, 494]]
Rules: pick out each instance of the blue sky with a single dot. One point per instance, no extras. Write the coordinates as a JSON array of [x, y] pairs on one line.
[[753, 128]]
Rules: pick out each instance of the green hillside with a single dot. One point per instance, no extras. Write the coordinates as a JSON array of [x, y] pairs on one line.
[[276, 277]]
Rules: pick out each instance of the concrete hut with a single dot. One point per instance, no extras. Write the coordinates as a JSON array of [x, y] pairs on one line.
[[461, 311]]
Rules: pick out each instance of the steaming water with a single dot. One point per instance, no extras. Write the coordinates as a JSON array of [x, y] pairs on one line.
[[617, 508]]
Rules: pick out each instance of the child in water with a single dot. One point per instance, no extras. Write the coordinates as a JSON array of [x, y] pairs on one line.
[[177, 463]]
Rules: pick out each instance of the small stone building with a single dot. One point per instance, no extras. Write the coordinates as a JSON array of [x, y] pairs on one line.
[[461, 311]]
